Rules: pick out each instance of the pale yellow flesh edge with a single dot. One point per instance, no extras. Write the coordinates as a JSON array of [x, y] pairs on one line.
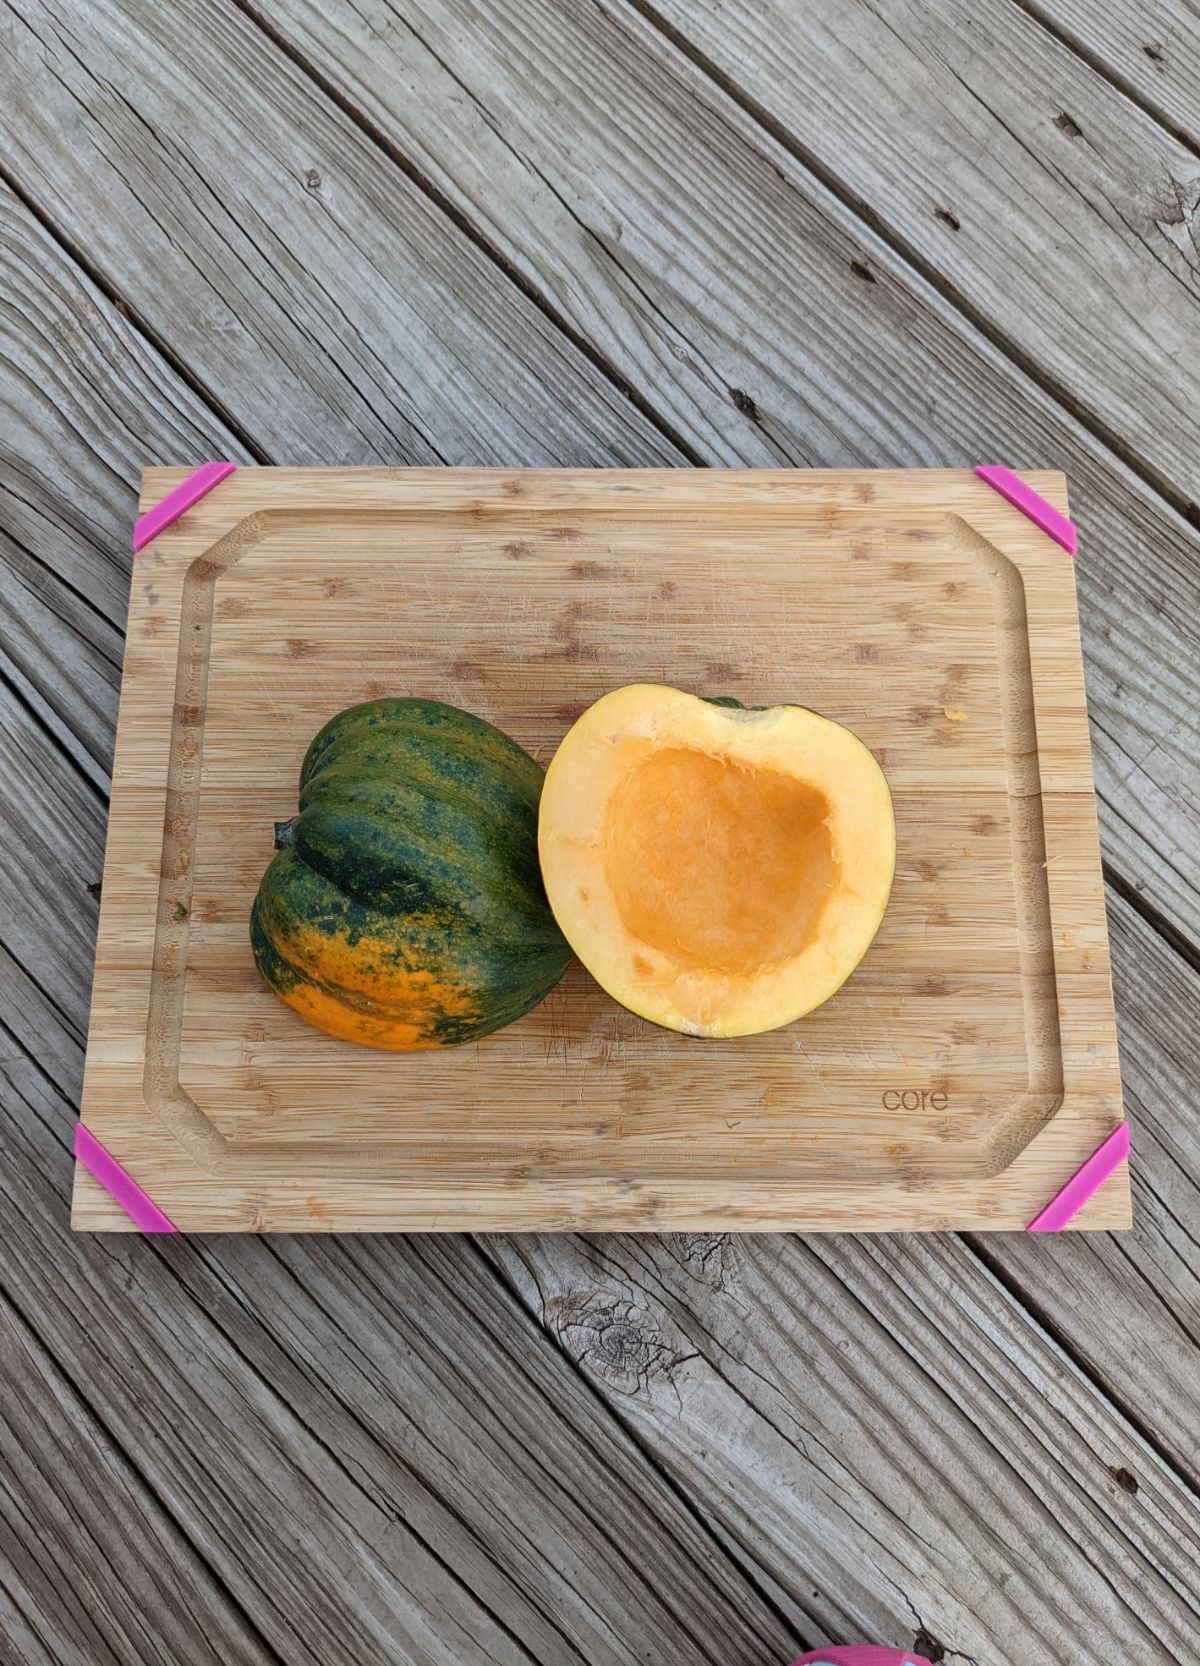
[[591, 760]]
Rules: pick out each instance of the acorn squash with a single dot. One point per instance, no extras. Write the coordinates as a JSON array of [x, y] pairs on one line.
[[718, 869], [405, 908]]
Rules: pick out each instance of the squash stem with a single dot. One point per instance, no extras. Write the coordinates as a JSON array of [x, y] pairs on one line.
[[283, 833]]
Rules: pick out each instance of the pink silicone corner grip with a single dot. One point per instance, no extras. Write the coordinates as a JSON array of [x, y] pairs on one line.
[[1044, 515], [861, 1654], [190, 491], [142, 1210], [1084, 1184]]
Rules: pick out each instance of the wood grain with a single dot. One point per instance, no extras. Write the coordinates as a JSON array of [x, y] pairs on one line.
[[772, 325], [831, 387], [391, 312], [831, 1432], [288, 595], [1151, 51], [85, 404], [1045, 198], [71, 1500], [329, 1329]]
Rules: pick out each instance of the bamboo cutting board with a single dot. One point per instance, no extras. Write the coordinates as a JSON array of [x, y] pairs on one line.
[[958, 1079]]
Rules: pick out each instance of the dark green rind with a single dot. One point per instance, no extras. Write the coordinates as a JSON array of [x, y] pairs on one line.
[[397, 841], [429, 721], [442, 777], [500, 986], [418, 827]]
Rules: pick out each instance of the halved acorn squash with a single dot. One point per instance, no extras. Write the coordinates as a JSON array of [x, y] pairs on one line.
[[718, 869]]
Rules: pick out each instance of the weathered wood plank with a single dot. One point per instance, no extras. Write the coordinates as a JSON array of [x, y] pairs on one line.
[[51, 849], [1151, 49], [1043, 198], [430, 1486], [82, 393], [241, 1484], [34, 1033], [414, 1358], [1151, 1280], [321, 1557], [98, 1573], [84, 402], [876, 1419], [302, 278], [770, 325]]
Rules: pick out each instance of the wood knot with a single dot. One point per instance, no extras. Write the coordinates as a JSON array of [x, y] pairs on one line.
[[743, 402], [614, 1337], [712, 1258], [927, 1644]]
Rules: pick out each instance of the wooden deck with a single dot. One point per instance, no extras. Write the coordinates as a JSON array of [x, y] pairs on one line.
[[647, 232]]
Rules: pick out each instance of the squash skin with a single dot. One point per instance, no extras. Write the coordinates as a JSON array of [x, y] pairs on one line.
[[405, 908]]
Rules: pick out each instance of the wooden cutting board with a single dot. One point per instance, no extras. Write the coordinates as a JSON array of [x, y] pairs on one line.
[[958, 1079]]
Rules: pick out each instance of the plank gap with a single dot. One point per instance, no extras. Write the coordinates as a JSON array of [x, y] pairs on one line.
[[78, 1035], [475, 235], [98, 783], [1025, 362], [1172, 936], [1079, 1363], [1098, 67], [133, 318]]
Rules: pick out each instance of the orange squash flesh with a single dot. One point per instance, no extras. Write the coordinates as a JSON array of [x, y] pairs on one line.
[[718, 870]]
